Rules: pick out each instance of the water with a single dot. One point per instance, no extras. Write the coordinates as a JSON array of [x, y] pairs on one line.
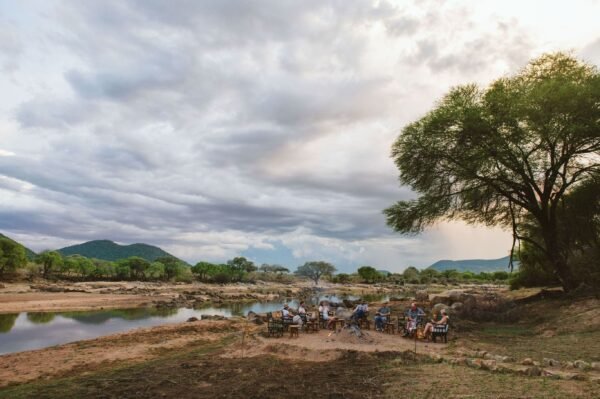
[[27, 331]]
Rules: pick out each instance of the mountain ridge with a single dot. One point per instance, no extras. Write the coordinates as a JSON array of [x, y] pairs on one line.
[[111, 251], [472, 265]]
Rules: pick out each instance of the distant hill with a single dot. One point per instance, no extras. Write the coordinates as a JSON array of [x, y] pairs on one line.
[[111, 251], [28, 252], [473, 265]]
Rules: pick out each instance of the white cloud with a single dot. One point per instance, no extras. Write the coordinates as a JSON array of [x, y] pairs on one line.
[[213, 127]]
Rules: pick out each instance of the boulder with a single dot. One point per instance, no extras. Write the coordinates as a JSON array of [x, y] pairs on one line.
[[533, 371], [212, 317], [568, 365], [422, 296], [582, 365], [192, 319], [596, 365], [455, 295], [489, 364], [457, 307], [527, 362], [550, 362], [441, 299]]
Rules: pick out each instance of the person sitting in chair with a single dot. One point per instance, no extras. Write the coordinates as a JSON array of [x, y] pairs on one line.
[[381, 317], [360, 311], [289, 317], [429, 327], [412, 317]]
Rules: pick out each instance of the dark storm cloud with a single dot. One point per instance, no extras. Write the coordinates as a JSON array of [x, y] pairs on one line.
[[169, 118]]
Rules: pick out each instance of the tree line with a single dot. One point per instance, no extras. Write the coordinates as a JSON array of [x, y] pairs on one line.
[[53, 265]]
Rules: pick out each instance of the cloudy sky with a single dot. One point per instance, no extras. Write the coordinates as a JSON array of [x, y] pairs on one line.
[[260, 128]]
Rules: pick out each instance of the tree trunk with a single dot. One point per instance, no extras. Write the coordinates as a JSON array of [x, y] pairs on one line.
[[558, 260]]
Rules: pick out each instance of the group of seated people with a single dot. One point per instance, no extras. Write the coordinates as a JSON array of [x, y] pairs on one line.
[[414, 315]]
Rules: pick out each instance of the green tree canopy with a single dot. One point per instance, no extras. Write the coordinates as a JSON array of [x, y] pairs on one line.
[[12, 255], [369, 274], [315, 270], [50, 261], [497, 155]]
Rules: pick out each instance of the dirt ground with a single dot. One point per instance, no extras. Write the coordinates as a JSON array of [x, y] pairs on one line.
[[233, 358]]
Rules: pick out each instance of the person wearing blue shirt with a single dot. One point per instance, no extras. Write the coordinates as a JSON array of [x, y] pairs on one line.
[[382, 317]]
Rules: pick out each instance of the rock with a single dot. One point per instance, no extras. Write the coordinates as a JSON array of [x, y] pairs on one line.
[[469, 302], [527, 362], [460, 361], [568, 365], [474, 363], [550, 362], [457, 307], [577, 377], [488, 356], [441, 299], [2, 286], [580, 364], [595, 365], [536, 363], [422, 296], [455, 295], [488, 365], [437, 358], [533, 371], [212, 317], [192, 319], [481, 354]]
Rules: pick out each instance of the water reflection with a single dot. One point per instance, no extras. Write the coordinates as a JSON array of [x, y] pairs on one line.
[[40, 317], [25, 331], [7, 321]]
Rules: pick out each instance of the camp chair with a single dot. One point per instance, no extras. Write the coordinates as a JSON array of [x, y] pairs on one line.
[[274, 326]]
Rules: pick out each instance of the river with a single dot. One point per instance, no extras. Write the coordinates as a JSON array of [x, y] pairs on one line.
[[27, 331]]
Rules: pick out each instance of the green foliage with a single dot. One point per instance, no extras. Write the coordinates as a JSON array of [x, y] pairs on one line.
[[411, 275], [28, 252], [51, 261], [369, 274], [12, 255], [501, 155], [315, 270], [342, 278]]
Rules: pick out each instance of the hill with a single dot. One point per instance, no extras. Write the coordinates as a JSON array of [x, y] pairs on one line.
[[473, 265], [28, 252], [111, 251]]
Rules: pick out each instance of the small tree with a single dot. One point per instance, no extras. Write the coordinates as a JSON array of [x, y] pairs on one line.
[[315, 270], [369, 274], [50, 261]]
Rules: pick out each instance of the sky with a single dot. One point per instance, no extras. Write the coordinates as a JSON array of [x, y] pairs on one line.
[[220, 128]]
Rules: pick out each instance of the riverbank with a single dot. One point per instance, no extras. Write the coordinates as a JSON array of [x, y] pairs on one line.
[[527, 352], [44, 296], [233, 358]]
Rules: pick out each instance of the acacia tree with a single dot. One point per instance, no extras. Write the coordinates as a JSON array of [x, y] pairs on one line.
[[369, 274], [499, 155], [315, 270]]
